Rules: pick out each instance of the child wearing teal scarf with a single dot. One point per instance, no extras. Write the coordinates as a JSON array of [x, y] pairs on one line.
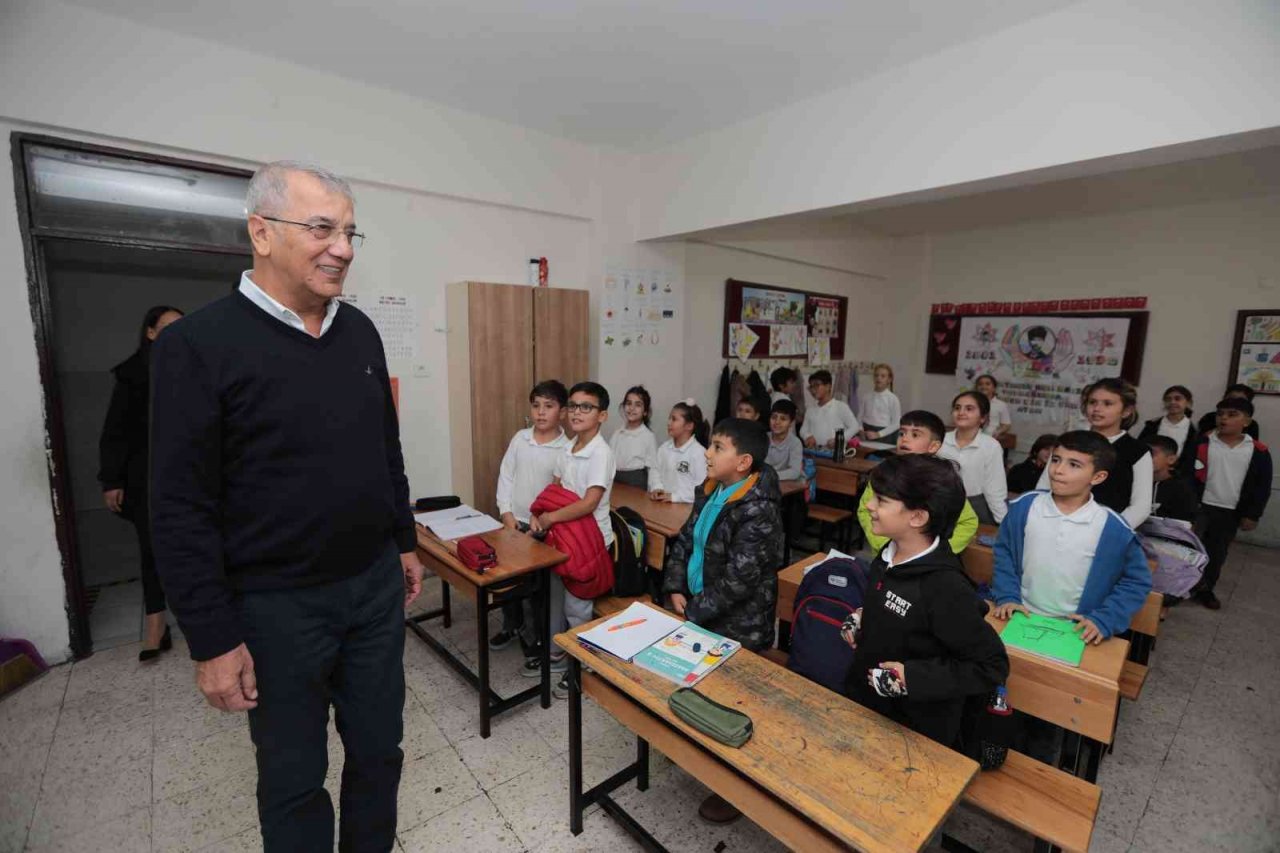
[[702, 529]]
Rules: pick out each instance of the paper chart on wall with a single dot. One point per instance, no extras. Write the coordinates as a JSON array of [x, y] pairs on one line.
[[819, 351], [787, 340], [1259, 367], [394, 318], [635, 306], [1041, 363], [772, 307], [742, 339]]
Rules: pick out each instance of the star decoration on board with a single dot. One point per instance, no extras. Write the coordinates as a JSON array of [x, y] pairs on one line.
[[1100, 340]]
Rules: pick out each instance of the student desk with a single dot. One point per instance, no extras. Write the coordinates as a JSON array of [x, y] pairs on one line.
[[1083, 700], [820, 772], [523, 570], [663, 519]]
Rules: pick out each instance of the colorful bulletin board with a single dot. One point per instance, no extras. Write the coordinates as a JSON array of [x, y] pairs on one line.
[[1255, 352], [766, 321]]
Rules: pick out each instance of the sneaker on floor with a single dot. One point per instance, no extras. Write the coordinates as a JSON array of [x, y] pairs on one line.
[[533, 666], [561, 688], [501, 640], [1209, 600], [716, 809]]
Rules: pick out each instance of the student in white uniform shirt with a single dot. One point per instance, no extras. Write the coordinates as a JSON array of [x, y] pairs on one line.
[[528, 467], [880, 409], [822, 421], [979, 456], [784, 381], [1177, 424], [635, 450], [999, 421], [682, 459]]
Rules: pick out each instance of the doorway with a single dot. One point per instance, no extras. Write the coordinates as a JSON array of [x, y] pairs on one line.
[[107, 234], [99, 294]]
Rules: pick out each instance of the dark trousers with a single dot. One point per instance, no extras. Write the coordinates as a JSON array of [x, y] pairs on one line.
[[1216, 528], [340, 643], [152, 593]]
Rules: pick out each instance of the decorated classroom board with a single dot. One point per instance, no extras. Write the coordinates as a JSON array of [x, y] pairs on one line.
[[767, 321], [1041, 361], [1255, 351]]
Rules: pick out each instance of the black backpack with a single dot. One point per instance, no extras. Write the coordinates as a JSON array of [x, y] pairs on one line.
[[829, 593], [630, 537]]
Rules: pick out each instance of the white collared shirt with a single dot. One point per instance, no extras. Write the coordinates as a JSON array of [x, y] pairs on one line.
[[881, 409], [590, 467], [891, 550], [821, 422], [1178, 432], [527, 468], [1227, 469], [634, 449], [998, 415], [981, 464], [1139, 506], [1057, 554], [680, 470], [264, 300]]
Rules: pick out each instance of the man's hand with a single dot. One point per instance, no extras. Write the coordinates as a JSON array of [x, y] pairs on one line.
[[1247, 524], [413, 569], [1088, 631], [509, 521], [678, 603], [1004, 611], [227, 681], [810, 442], [114, 499]]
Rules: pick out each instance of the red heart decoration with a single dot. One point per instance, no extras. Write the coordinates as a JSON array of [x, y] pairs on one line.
[[940, 337], [944, 349], [951, 324]]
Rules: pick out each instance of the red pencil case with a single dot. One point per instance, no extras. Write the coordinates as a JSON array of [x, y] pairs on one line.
[[476, 554]]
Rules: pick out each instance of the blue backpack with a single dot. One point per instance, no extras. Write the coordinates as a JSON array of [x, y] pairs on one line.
[[829, 593]]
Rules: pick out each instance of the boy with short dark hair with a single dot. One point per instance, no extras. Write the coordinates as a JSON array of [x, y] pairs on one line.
[[919, 432], [748, 409], [722, 568], [528, 467], [1061, 553], [784, 381], [821, 422], [921, 642], [1172, 495], [786, 453], [1231, 474]]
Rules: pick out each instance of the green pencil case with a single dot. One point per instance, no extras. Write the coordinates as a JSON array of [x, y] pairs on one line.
[[730, 727]]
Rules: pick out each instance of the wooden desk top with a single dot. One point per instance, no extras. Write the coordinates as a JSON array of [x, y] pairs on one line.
[[992, 530], [856, 464], [660, 516], [1103, 661], [790, 487], [866, 780], [518, 554]]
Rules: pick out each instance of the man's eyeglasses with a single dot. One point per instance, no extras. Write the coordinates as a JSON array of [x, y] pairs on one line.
[[323, 231], [585, 408]]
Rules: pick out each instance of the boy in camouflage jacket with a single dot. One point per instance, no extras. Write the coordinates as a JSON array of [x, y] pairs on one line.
[[721, 570]]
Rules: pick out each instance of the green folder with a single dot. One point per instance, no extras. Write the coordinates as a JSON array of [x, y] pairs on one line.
[[1055, 639]]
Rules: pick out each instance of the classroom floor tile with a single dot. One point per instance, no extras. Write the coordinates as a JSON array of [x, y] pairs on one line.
[[107, 754]]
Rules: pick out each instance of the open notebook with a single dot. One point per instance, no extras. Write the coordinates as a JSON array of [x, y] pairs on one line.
[[630, 632]]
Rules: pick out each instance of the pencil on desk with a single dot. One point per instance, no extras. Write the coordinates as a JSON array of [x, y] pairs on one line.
[[627, 624]]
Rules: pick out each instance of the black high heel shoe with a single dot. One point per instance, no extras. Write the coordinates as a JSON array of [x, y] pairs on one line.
[[166, 643]]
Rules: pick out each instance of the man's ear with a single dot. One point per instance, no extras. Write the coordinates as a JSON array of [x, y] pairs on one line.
[[258, 235], [1098, 477]]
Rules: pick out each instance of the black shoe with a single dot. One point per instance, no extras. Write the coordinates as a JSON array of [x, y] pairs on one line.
[[166, 643], [1209, 600], [561, 688], [501, 640]]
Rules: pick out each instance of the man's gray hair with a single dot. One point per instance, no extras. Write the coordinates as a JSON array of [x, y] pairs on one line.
[[268, 193]]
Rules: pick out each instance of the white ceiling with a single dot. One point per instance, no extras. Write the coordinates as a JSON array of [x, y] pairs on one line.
[[622, 73]]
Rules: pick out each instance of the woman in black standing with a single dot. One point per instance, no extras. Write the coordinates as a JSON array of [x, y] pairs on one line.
[[123, 455]]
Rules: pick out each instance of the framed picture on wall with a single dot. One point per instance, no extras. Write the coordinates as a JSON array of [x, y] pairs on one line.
[[769, 321], [1255, 352]]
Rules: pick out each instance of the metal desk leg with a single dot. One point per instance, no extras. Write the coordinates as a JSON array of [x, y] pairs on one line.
[[642, 764], [445, 604], [543, 615], [576, 804], [482, 658]]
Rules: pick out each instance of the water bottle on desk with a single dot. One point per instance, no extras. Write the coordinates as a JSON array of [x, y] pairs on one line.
[[837, 453]]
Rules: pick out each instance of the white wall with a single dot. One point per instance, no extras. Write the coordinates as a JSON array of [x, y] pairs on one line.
[[1199, 264], [707, 267], [1092, 81]]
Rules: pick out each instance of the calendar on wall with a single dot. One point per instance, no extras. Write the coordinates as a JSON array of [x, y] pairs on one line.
[[394, 318]]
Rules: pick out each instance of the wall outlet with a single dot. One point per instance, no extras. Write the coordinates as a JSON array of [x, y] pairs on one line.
[[421, 371]]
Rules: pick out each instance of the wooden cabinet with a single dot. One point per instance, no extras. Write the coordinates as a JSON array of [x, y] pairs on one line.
[[502, 339]]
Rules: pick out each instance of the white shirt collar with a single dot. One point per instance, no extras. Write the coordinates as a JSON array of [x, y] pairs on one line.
[[1084, 515], [559, 441], [587, 452], [1248, 441], [267, 303], [892, 548]]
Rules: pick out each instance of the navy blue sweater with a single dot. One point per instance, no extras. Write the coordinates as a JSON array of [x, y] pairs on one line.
[[275, 461]]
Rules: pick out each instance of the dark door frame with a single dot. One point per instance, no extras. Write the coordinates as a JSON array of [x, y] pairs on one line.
[[33, 245]]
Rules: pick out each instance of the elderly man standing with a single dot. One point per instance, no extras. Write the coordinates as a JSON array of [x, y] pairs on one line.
[[281, 519]]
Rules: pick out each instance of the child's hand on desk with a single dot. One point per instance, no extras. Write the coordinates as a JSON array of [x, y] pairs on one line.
[[659, 495], [1004, 611], [1088, 631], [810, 442], [678, 603], [509, 521]]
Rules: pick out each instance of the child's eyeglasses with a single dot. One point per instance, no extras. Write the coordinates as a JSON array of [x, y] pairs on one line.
[[585, 408]]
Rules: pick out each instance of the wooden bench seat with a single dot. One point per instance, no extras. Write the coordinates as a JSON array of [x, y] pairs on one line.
[[840, 521], [1052, 805], [828, 514], [1132, 677]]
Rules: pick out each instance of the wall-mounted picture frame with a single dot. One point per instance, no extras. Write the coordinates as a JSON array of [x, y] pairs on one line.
[[1255, 351]]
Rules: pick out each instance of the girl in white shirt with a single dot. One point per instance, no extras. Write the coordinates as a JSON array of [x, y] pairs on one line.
[[634, 448], [979, 456], [1178, 423], [682, 460], [880, 410], [999, 421]]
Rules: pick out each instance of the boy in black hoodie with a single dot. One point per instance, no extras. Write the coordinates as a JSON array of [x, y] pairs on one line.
[[923, 643]]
